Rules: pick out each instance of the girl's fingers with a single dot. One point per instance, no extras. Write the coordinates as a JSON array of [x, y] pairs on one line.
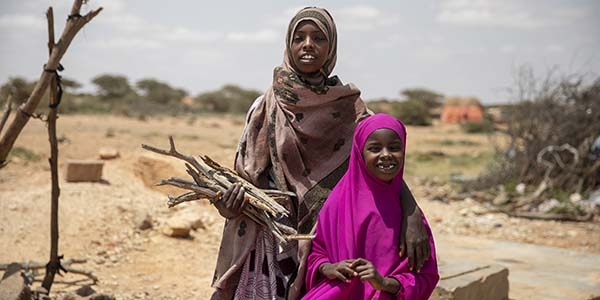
[[239, 200], [341, 277], [358, 262]]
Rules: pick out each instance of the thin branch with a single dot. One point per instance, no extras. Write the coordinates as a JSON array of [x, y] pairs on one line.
[[190, 196]]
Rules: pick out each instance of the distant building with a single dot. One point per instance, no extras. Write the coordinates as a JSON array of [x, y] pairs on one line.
[[462, 109]]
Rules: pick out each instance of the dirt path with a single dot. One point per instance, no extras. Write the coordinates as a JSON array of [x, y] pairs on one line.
[[98, 220]]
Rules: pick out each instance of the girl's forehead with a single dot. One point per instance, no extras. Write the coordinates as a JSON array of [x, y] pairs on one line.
[[304, 24], [383, 134]]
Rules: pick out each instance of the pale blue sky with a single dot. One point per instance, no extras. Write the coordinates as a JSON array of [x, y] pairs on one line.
[[455, 47]]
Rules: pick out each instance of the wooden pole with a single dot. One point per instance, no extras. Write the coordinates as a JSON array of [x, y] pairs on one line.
[[53, 265]]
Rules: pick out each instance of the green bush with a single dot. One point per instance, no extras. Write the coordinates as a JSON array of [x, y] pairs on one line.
[[485, 126], [412, 112]]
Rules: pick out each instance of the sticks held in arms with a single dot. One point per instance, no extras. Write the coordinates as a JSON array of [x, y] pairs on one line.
[[211, 180]]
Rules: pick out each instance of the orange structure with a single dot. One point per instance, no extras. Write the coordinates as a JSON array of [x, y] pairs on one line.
[[457, 109]]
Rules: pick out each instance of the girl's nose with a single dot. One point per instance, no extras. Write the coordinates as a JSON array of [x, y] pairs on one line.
[[308, 43], [385, 153]]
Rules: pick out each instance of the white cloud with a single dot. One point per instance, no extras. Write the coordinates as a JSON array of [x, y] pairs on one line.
[[554, 48], [264, 35], [149, 34], [488, 13], [364, 18], [127, 23], [360, 12], [23, 22], [508, 49], [182, 34], [128, 43]]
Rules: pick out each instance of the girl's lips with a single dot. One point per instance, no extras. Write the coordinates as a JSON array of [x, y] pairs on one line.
[[387, 166], [307, 58]]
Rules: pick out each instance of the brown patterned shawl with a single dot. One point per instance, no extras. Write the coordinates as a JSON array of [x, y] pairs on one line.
[[298, 139]]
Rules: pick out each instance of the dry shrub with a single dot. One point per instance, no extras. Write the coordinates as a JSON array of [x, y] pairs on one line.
[[557, 120]]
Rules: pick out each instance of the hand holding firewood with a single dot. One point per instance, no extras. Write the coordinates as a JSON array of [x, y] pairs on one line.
[[231, 194], [233, 202]]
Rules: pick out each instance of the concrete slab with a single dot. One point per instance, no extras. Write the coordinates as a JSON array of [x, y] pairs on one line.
[[83, 170], [468, 281], [535, 272]]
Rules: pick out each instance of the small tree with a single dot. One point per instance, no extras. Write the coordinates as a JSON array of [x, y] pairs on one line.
[[112, 86], [18, 88], [159, 92], [412, 112], [429, 98]]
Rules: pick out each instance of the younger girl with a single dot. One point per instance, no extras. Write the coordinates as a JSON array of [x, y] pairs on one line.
[[354, 253]]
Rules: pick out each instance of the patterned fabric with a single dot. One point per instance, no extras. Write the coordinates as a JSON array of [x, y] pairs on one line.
[[297, 138]]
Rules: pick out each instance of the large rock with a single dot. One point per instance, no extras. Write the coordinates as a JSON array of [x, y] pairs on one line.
[[466, 281], [84, 170]]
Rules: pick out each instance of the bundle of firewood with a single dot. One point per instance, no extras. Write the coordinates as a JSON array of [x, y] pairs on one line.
[[210, 180]]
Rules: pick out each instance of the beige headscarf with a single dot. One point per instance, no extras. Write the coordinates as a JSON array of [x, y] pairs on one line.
[[301, 131]]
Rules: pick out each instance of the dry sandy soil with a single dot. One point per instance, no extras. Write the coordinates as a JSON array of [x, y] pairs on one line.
[[98, 220]]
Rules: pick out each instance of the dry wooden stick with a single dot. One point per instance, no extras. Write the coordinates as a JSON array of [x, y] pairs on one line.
[[54, 265], [211, 180]]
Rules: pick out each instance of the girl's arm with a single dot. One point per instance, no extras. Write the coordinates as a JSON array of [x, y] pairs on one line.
[[414, 240]]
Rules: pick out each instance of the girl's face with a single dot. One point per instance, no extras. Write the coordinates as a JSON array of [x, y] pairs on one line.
[[309, 48], [383, 154]]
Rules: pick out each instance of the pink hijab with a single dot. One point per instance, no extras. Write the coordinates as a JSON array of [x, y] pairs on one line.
[[361, 219]]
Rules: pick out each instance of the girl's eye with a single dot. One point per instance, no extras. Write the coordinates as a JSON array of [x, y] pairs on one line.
[[297, 39], [320, 39]]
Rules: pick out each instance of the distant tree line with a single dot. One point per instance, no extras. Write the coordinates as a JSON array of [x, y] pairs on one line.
[[115, 94]]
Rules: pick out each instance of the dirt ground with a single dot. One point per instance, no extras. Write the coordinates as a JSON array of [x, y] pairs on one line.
[[98, 220]]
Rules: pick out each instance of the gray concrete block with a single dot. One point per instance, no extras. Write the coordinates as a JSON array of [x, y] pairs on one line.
[[84, 170], [466, 281]]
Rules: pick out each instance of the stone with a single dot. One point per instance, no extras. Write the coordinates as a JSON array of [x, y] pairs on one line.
[[85, 291], [467, 281], [177, 227], [501, 199], [107, 153], [520, 188], [14, 287], [84, 170], [143, 221], [575, 197]]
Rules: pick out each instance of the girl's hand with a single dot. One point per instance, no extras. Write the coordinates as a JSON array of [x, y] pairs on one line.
[[340, 270], [232, 202], [366, 271]]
